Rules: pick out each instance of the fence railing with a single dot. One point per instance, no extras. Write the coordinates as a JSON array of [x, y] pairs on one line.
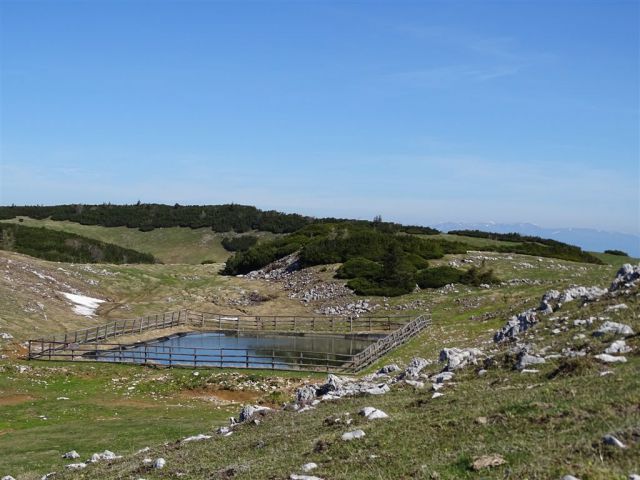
[[296, 323], [91, 344], [113, 329], [374, 351]]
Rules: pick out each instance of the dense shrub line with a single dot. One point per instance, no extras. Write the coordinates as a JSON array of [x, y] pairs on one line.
[[617, 252], [531, 245], [60, 246], [220, 218]]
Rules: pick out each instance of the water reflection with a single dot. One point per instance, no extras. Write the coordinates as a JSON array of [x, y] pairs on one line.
[[243, 350]]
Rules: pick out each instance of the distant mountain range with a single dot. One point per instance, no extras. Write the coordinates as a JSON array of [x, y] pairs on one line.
[[586, 238]]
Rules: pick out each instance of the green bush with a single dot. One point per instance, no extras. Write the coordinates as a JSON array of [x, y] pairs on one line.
[[477, 276], [240, 243], [360, 267], [438, 277]]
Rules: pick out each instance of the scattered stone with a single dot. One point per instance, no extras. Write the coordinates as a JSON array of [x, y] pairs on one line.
[[603, 357], [634, 476], [583, 322], [248, 411], [196, 438], [614, 327], [525, 360], [481, 420], [294, 476], [71, 455], [415, 383], [8, 477], [307, 467], [76, 466], [437, 394], [106, 455], [159, 463], [619, 346], [352, 435], [570, 477], [387, 369], [611, 440], [442, 377], [615, 308], [488, 461], [5, 336], [373, 413]]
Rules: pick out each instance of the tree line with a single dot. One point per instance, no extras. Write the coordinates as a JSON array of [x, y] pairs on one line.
[[220, 218]]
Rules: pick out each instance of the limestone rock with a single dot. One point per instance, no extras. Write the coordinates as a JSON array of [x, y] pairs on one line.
[[619, 346], [626, 277], [488, 461], [615, 328], [307, 467], [525, 360], [196, 438], [248, 411], [348, 436], [416, 365], [372, 413], [517, 324], [603, 357], [71, 455], [611, 440], [458, 358], [306, 394], [387, 369]]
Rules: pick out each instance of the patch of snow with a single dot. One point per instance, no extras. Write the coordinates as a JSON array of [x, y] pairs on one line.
[[84, 305]]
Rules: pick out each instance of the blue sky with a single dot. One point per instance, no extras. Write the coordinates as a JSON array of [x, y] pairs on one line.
[[422, 112]]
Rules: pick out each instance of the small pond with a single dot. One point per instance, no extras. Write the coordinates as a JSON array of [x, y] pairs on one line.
[[242, 350]]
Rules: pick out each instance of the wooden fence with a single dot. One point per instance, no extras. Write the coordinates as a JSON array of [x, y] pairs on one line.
[[90, 344], [280, 323], [374, 351]]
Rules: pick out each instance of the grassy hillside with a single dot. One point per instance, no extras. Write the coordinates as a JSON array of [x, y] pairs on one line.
[[61, 246], [169, 245], [558, 414]]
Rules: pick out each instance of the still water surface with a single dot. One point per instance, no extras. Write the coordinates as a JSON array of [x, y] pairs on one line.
[[242, 350]]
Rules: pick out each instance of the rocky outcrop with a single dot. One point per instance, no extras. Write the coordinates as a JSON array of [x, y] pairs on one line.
[[627, 277], [458, 358], [517, 324]]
